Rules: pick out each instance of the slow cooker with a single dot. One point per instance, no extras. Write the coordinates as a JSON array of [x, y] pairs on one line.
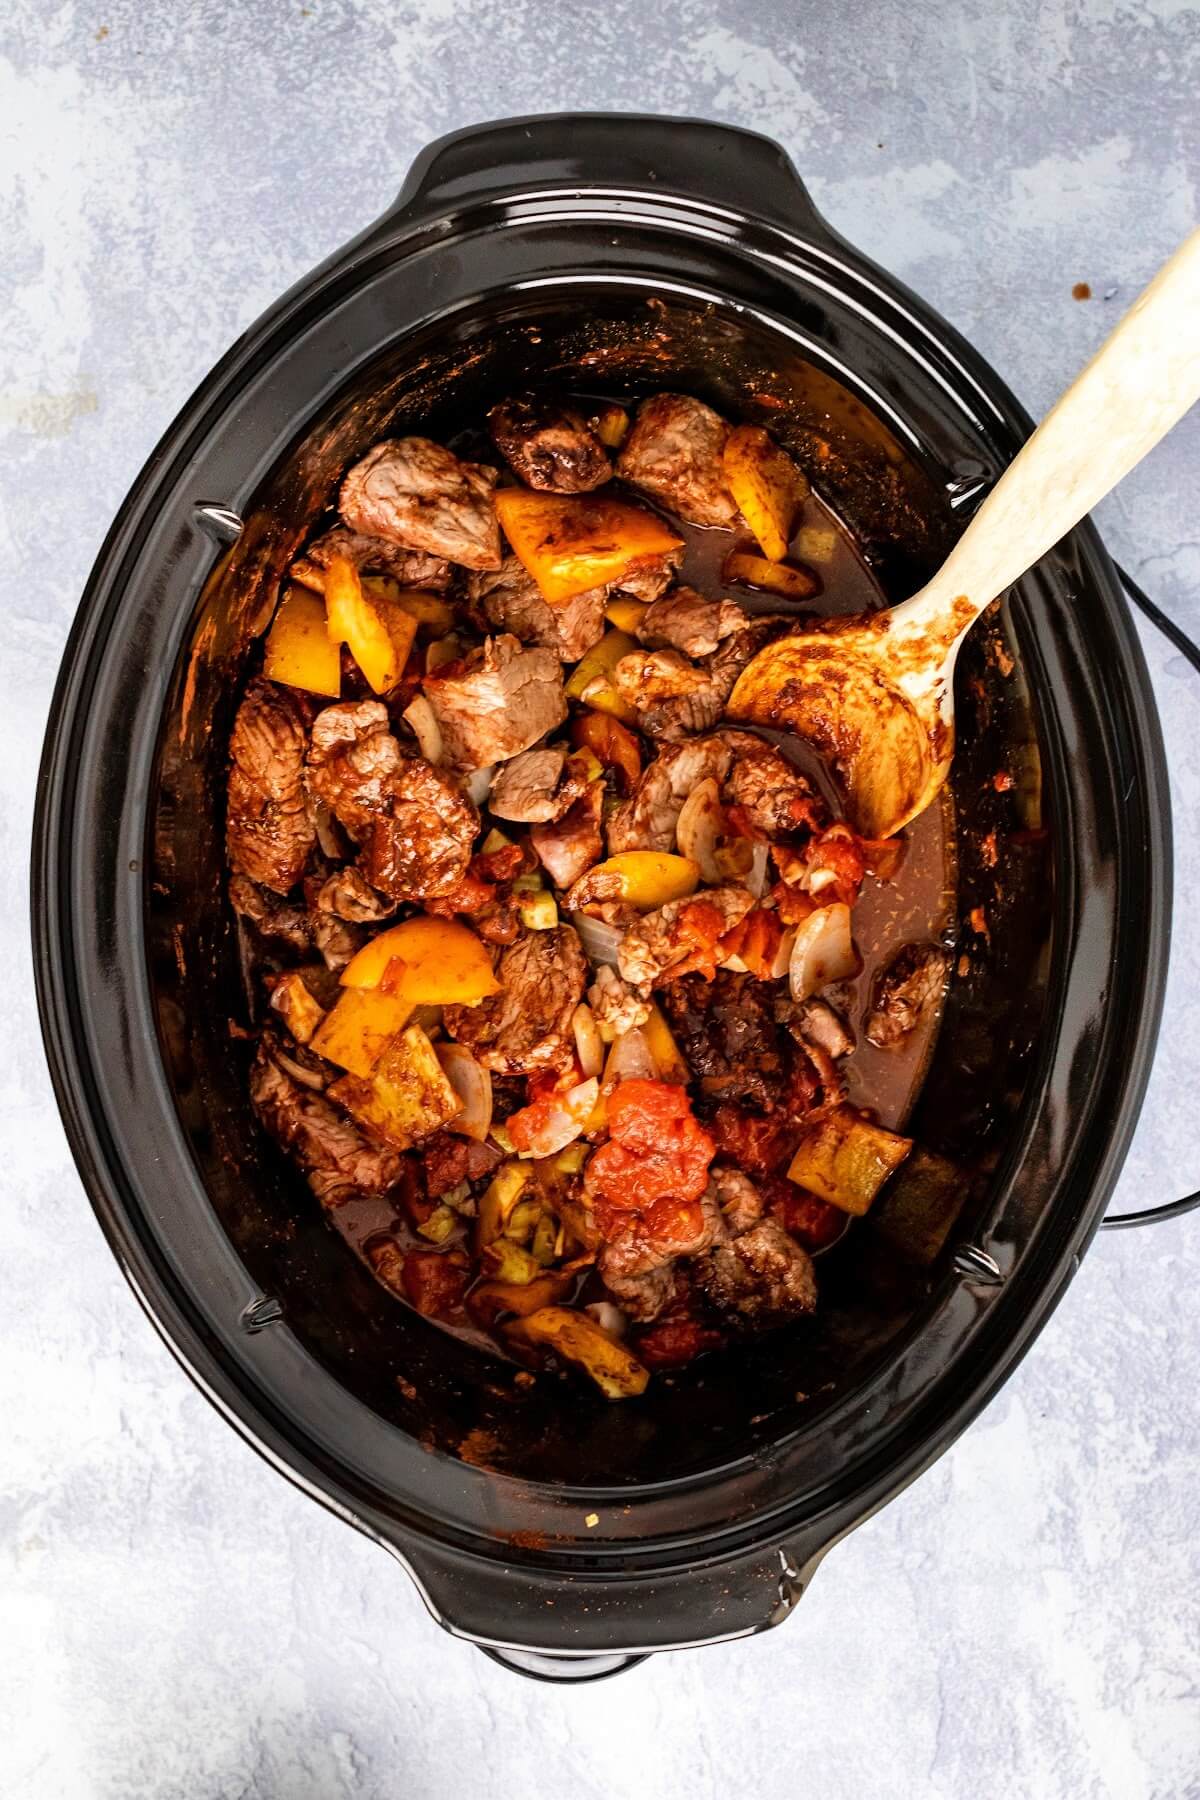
[[567, 1536]]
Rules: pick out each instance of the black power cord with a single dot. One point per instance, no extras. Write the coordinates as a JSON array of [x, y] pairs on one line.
[[1174, 1209]]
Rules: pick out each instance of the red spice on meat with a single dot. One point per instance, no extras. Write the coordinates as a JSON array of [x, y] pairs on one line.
[[701, 925], [673, 1342], [434, 1281], [449, 1160]]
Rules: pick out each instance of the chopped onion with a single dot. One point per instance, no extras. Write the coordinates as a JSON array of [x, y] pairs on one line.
[[473, 1085], [629, 1059], [783, 956], [600, 941], [608, 1317], [425, 728], [479, 783], [307, 1077], [699, 828], [440, 652], [588, 1044], [564, 1120], [823, 951], [756, 879]]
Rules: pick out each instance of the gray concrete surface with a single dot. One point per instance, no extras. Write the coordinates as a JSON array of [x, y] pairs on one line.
[[175, 1621]]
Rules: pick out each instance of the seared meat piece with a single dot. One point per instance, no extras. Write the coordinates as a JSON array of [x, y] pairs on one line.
[[567, 847], [647, 820], [269, 829], [548, 445], [335, 938], [511, 600], [646, 581], [727, 1032], [449, 1160], [497, 702], [674, 453], [775, 797], [740, 1202], [762, 1277], [347, 896], [615, 1003], [685, 620], [416, 828], [907, 988], [683, 931], [674, 697], [370, 556], [353, 761], [529, 790], [639, 1278], [272, 917], [820, 1027], [413, 492], [527, 1027], [336, 1158]]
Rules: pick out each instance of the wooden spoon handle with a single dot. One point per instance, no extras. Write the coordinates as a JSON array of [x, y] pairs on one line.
[[1139, 383]]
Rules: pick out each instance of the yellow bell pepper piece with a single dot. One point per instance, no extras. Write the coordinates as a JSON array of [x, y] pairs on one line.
[[379, 634], [298, 650], [767, 486], [425, 961], [361, 1025], [573, 542]]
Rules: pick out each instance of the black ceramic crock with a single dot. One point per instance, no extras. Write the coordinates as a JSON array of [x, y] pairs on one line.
[[564, 1534]]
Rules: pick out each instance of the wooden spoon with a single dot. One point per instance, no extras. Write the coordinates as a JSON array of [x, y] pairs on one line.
[[874, 693]]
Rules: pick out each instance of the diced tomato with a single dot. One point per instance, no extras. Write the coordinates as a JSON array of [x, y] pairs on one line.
[[812, 1222], [656, 1148], [673, 1342], [611, 743], [700, 924], [434, 1281], [792, 904], [672, 1224]]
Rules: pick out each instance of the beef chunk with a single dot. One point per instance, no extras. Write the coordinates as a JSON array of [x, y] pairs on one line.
[[615, 1003], [548, 445], [684, 620], [497, 702], [775, 797], [336, 1158], [347, 896], [676, 698], [727, 1032], [269, 829], [761, 1277], [370, 556], [740, 1202], [414, 493], [684, 932], [509, 599], [450, 1160], [530, 789], [905, 991], [674, 454], [648, 580], [647, 820], [415, 826], [273, 918], [567, 847], [527, 1027]]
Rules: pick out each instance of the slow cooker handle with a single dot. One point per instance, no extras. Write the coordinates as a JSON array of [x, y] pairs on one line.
[[1172, 1209], [718, 166]]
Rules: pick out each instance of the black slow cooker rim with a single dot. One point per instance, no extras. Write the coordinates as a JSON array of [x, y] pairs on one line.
[[52, 932]]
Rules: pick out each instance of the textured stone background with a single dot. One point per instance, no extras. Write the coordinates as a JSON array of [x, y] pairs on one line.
[[175, 1621]]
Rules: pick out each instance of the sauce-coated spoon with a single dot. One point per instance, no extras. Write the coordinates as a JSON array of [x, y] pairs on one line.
[[875, 693]]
